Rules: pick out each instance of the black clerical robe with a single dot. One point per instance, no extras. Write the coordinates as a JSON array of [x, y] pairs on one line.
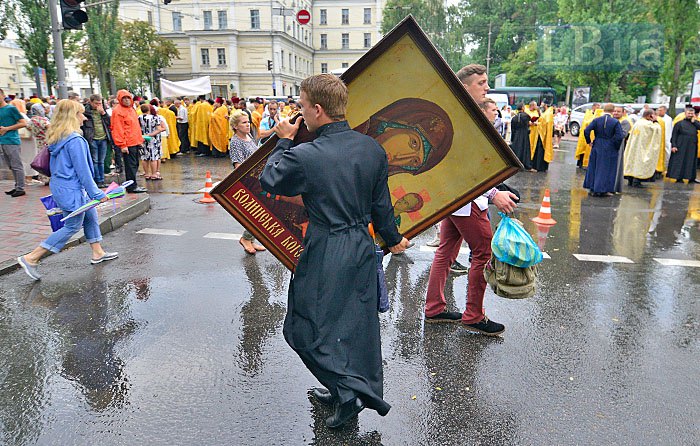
[[520, 138], [683, 164], [332, 321]]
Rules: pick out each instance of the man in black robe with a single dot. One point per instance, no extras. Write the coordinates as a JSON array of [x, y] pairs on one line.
[[332, 320], [683, 163], [520, 138]]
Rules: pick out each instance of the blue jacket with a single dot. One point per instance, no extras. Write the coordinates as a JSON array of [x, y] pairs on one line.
[[71, 173]]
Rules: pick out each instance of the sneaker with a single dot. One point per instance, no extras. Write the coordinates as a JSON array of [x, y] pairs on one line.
[[486, 327], [459, 268], [10, 192], [17, 193], [105, 257], [29, 269], [446, 317], [434, 243]]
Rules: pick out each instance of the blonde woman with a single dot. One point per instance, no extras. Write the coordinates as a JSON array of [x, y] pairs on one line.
[[72, 186], [241, 146]]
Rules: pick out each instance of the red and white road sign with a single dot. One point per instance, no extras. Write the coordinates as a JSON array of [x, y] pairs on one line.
[[303, 17]]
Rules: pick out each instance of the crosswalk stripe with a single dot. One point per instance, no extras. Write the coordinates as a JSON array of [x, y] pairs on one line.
[[425, 248], [155, 231], [204, 189], [678, 262], [600, 258], [223, 236]]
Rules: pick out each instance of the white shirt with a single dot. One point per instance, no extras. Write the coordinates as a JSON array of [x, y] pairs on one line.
[[182, 114], [668, 127], [481, 201]]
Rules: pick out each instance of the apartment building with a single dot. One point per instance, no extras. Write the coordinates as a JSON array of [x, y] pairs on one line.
[[234, 41]]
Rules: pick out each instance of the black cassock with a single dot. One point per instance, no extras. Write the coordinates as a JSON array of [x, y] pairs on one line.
[[332, 321], [520, 138], [683, 164]]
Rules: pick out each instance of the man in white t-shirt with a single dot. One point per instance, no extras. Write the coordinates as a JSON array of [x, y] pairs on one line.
[[470, 223]]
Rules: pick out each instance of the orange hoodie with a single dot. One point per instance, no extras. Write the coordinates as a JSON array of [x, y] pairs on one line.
[[126, 130]]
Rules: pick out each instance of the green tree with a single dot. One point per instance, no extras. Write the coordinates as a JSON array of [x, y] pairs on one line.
[[441, 24], [103, 42], [142, 52], [34, 30], [681, 22]]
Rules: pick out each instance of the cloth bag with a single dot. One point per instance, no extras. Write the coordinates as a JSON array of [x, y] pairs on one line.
[[382, 291], [42, 162], [513, 245]]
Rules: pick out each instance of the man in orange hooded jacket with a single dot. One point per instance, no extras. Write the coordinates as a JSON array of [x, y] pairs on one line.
[[126, 133]]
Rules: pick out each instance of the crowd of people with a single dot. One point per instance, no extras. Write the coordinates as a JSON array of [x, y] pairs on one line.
[[615, 146]]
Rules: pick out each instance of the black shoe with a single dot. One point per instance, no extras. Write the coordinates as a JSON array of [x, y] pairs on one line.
[[138, 190], [10, 192], [637, 183], [323, 396], [101, 185], [486, 327], [459, 268], [17, 193], [446, 317], [344, 413]]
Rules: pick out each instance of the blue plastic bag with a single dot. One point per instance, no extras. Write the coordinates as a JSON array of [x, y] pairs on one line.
[[54, 213], [513, 245], [382, 291]]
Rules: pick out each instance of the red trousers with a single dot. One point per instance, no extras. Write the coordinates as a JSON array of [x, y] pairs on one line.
[[476, 231]]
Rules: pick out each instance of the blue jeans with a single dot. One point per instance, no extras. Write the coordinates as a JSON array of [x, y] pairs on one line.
[[87, 220], [98, 151]]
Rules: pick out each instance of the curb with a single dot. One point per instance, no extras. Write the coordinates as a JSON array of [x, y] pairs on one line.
[[108, 225]]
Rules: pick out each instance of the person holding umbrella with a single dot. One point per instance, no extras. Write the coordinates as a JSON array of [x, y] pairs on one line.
[[71, 185]]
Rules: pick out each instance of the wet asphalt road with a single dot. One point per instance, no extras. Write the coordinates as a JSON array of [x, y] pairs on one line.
[[179, 340]]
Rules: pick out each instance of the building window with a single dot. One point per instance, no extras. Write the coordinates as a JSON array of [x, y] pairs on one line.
[[255, 18], [223, 20], [149, 16], [345, 17], [324, 17], [368, 40], [324, 68], [282, 58], [177, 21], [324, 41], [346, 41], [207, 20], [221, 56], [295, 64], [290, 61], [10, 58], [368, 16], [345, 64], [205, 56]]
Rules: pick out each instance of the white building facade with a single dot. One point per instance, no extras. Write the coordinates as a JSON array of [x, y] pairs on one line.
[[236, 41]]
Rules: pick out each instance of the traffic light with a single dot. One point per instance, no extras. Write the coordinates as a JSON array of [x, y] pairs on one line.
[[71, 15], [269, 65]]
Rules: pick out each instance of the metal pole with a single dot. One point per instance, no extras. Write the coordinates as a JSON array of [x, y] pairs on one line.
[[488, 52], [58, 51]]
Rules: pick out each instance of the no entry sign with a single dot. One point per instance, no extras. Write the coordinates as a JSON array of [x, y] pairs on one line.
[[303, 17]]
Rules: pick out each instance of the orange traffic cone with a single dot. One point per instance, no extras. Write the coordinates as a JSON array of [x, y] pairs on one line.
[[208, 186], [542, 233], [545, 217]]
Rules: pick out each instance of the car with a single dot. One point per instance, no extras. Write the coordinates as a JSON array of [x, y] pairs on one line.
[[577, 114]]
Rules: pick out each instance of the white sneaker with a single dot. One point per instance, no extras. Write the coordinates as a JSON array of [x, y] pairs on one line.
[[434, 243], [105, 257]]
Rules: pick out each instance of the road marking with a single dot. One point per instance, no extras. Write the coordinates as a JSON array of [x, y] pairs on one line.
[[679, 262], [204, 189], [154, 231], [223, 236], [425, 248], [560, 150], [606, 259], [463, 250]]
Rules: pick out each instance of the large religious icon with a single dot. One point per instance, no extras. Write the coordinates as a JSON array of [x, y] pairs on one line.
[[441, 149]]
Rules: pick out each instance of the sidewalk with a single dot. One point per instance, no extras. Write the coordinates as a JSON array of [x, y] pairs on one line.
[[24, 224]]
